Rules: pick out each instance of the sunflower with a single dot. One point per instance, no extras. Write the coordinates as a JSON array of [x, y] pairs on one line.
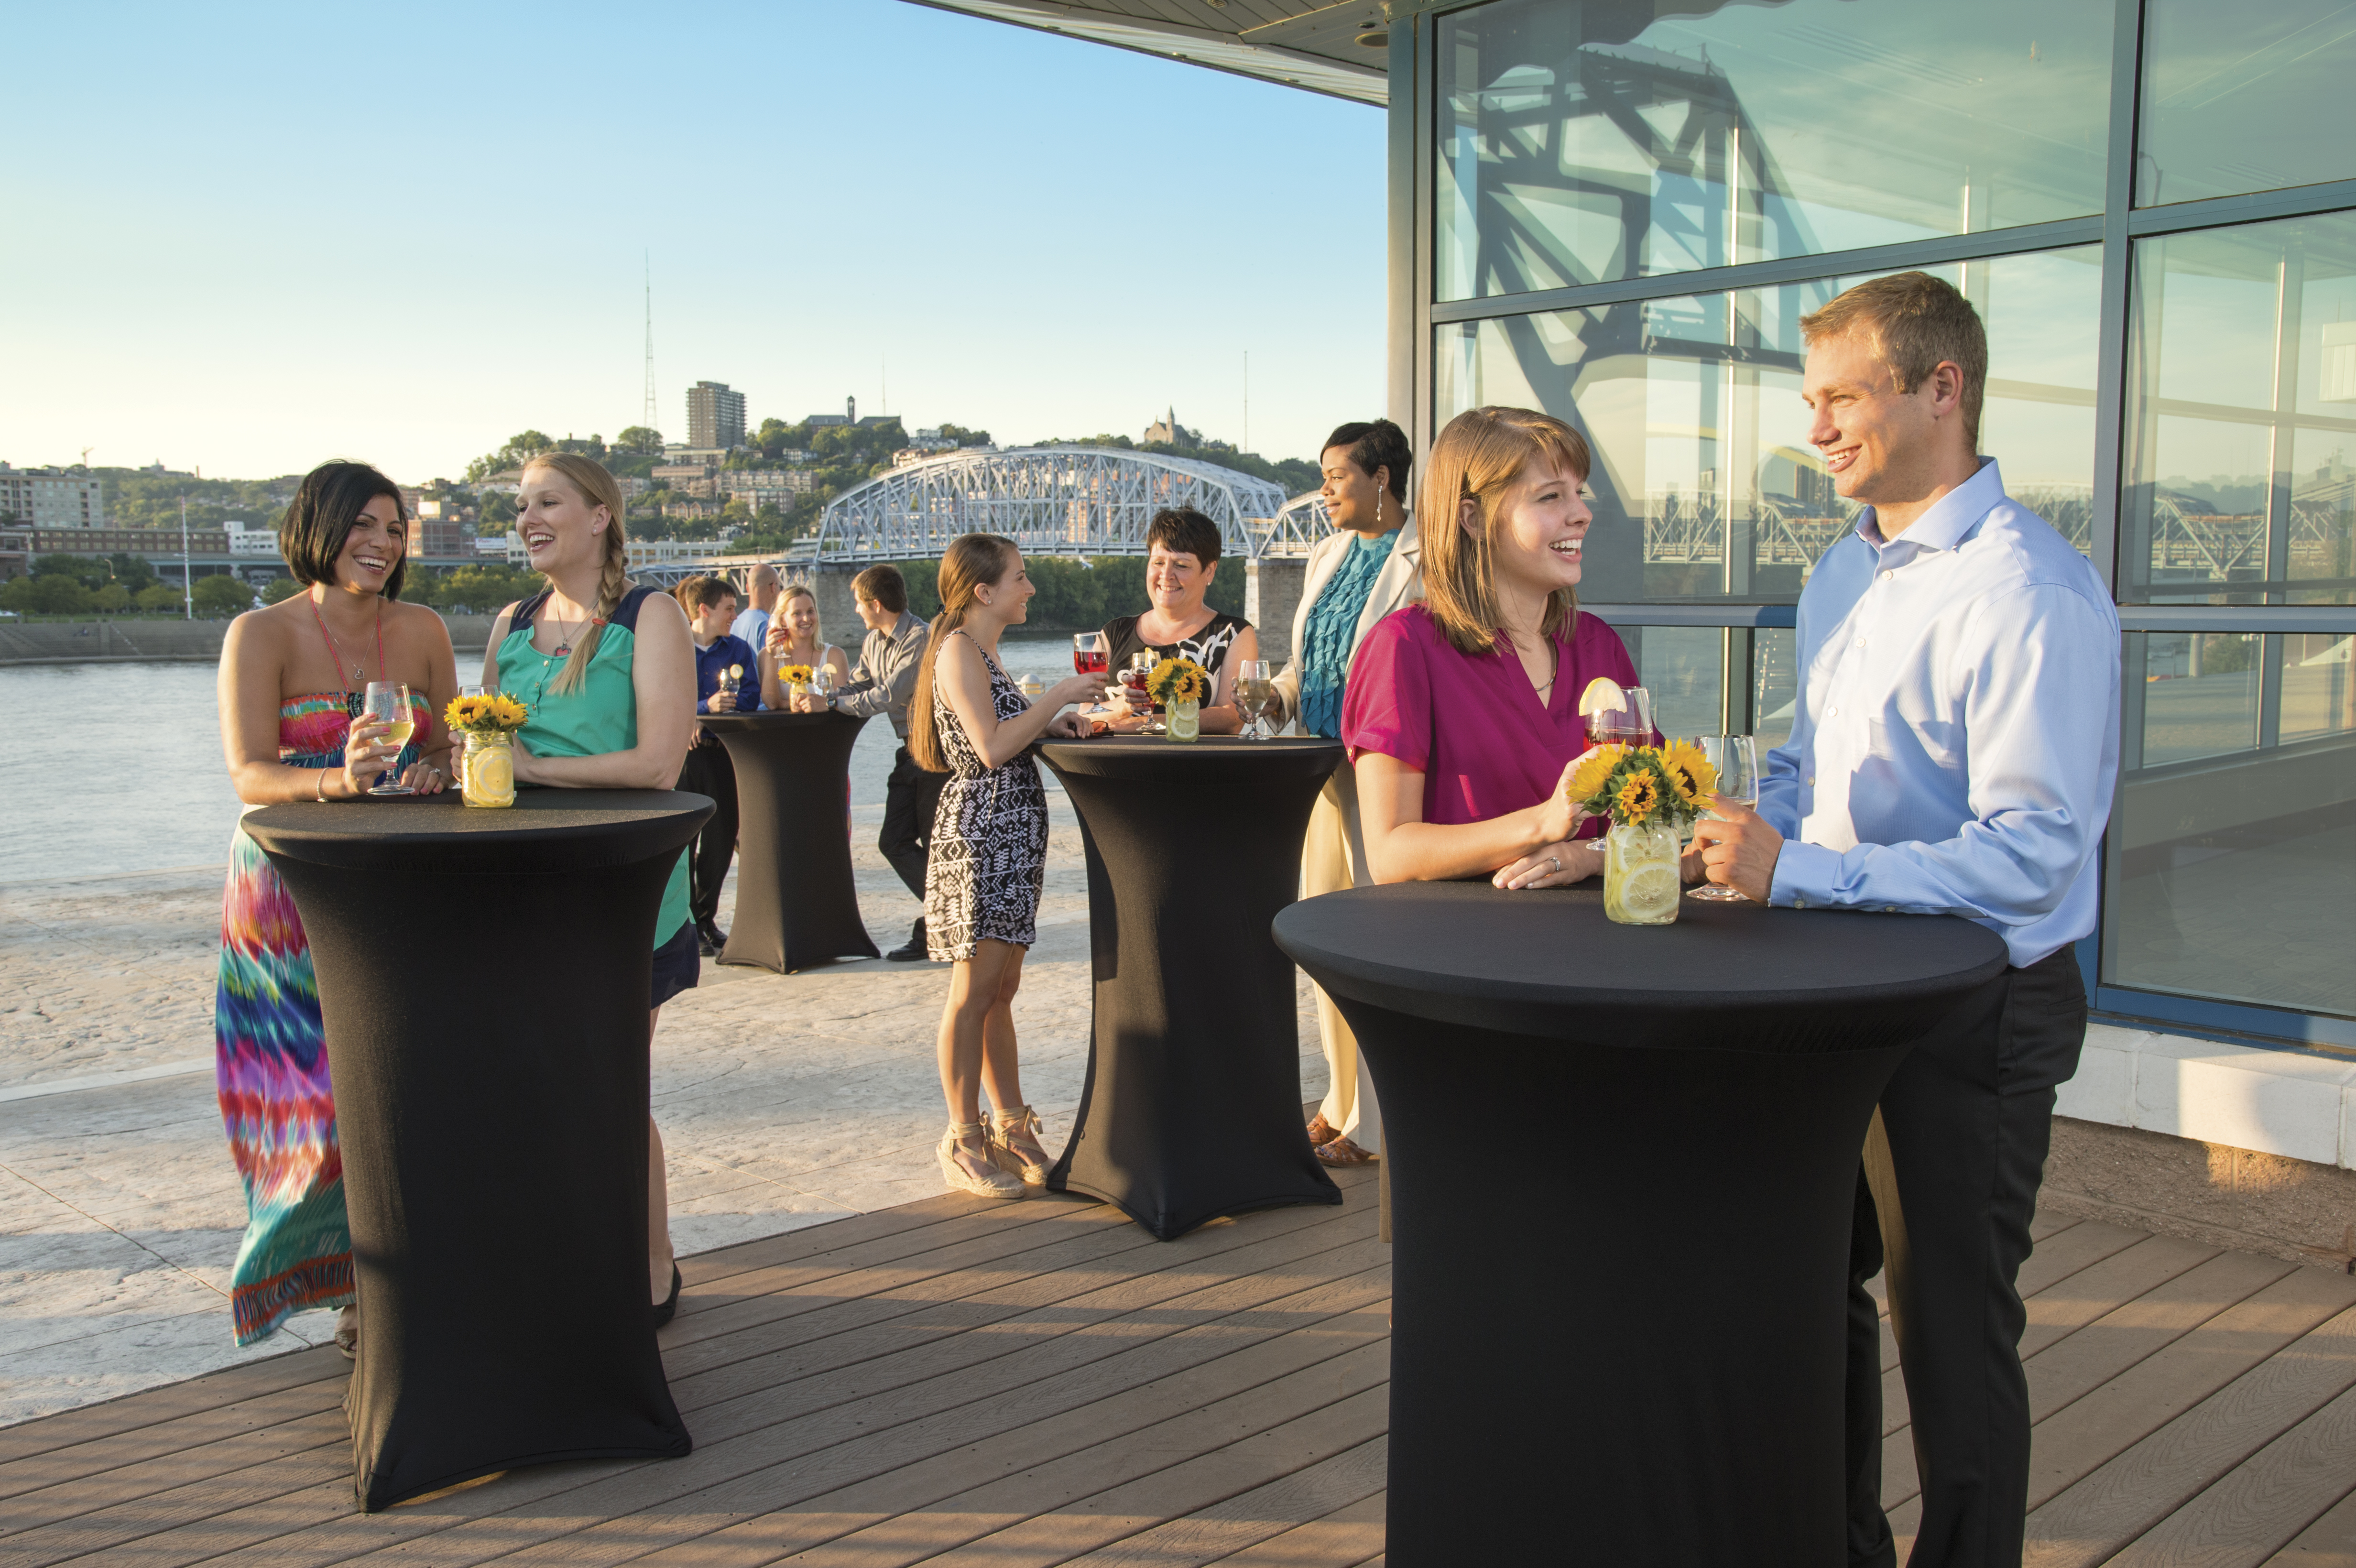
[[794, 674], [1690, 772], [1176, 680], [1586, 780], [1639, 794], [505, 711], [460, 714]]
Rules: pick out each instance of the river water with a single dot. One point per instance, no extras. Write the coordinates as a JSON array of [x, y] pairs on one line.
[[117, 767]]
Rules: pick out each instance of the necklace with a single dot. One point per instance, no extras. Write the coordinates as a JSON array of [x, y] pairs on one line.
[[336, 649], [564, 639]]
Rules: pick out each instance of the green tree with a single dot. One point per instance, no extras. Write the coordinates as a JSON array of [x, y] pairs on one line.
[[639, 440], [80, 568], [158, 596], [281, 589], [964, 437], [112, 600], [131, 570], [222, 595], [519, 449], [46, 593]]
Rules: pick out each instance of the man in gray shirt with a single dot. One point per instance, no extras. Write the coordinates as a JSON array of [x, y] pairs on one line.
[[880, 683]]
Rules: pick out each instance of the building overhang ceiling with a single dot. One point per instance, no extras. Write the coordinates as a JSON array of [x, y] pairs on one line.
[[1314, 47]]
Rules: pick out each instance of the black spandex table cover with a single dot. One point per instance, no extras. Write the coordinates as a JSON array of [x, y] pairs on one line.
[[1191, 1107], [1623, 1164], [483, 980], [797, 903]]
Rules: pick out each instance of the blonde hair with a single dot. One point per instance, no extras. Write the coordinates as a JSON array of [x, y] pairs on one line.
[[588, 477], [1913, 322], [973, 561], [1480, 455]]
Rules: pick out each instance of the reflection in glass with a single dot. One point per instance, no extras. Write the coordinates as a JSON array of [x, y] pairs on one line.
[[2243, 97], [2234, 841], [1774, 687], [2243, 417], [1579, 142], [1684, 669], [1706, 487]]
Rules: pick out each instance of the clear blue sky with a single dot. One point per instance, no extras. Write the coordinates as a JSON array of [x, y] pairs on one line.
[[253, 238]]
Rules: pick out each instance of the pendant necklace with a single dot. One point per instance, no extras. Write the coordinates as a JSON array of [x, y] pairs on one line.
[[564, 643]]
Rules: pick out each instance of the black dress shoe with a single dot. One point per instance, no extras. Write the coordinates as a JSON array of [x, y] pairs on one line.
[[669, 1308], [709, 938], [915, 951]]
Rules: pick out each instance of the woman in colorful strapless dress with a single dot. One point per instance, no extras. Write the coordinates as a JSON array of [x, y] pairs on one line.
[[294, 679]]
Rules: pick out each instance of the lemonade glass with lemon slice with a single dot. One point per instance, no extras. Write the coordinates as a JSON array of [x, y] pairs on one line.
[[1616, 715]]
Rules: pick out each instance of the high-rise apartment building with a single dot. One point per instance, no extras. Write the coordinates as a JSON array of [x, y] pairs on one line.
[[52, 497], [716, 416]]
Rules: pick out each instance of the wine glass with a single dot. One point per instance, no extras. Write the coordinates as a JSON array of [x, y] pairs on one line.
[[389, 700], [1630, 724], [1089, 654], [821, 681], [1736, 758], [1256, 697]]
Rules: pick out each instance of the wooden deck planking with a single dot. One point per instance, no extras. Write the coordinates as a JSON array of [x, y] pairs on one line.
[[960, 1384]]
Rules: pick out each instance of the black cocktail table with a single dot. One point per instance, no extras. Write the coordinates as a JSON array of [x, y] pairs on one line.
[[1191, 1107], [796, 902], [483, 980], [1623, 1161]]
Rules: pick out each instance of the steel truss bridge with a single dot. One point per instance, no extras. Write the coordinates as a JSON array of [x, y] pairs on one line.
[[1053, 500]]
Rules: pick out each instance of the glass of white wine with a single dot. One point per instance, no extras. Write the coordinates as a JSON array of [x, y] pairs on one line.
[[389, 700], [1256, 697], [1736, 758]]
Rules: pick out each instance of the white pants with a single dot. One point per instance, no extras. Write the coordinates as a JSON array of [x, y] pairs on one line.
[[1333, 857]]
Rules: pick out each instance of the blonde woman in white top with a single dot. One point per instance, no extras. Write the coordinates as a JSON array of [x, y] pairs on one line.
[[793, 639], [1369, 566]]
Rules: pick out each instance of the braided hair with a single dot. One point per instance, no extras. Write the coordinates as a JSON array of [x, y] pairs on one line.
[[596, 487]]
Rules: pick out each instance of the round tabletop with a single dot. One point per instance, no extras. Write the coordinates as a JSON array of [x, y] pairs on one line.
[[770, 718], [1143, 756], [1549, 963], [544, 830]]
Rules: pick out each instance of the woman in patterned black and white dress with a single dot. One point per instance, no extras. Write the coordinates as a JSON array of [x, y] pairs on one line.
[[989, 855]]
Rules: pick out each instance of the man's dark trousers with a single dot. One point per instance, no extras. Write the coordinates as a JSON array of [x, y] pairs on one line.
[[911, 794], [707, 770], [1948, 1191]]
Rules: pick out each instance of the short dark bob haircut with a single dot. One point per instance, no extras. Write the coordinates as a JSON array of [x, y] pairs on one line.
[[1376, 445], [1182, 531], [326, 505], [884, 584]]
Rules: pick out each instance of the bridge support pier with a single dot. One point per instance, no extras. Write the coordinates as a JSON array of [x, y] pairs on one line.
[[838, 611], [1271, 597]]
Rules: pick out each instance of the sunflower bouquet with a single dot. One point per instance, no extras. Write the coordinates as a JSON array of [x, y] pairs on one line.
[[1647, 794], [487, 767], [1642, 786], [1179, 686], [794, 675], [494, 714]]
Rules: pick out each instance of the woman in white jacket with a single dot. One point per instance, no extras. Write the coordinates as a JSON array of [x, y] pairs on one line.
[[1368, 567]]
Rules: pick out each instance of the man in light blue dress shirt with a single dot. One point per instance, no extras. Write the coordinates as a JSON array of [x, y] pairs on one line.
[[1953, 747]]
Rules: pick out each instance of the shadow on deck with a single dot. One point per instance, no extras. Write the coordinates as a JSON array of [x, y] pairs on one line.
[[1042, 1382]]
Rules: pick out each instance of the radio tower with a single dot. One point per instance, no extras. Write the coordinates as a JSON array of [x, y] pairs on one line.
[[650, 419]]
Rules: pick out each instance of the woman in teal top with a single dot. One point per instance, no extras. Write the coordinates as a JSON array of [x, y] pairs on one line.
[[608, 672]]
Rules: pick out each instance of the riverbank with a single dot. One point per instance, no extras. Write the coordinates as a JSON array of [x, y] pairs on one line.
[[128, 641]]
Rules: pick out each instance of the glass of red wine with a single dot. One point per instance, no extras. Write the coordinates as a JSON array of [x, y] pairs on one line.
[[1629, 724], [1089, 654]]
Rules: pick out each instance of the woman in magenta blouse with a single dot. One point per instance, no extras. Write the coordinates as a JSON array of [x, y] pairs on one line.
[[1461, 712]]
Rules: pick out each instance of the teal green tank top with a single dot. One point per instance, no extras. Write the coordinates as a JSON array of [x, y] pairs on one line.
[[598, 716]]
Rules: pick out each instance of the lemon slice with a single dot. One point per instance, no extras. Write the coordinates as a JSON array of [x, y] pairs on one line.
[[1604, 695], [1650, 891]]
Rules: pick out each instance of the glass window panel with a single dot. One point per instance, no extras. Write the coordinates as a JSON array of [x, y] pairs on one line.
[[1684, 669], [2234, 842], [2243, 97], [1580, 141], [2242, 424], [1706, 487], [1774, 687]]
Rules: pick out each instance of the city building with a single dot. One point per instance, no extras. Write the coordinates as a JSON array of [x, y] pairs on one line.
[[850, 415], [716, 416], [767, 487], [675, 475], [1167, 432], [252, 539], [52, 497]]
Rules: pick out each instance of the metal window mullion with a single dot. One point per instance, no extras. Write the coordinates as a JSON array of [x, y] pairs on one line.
[[2255, 207], [1426, 64], [2118, 261], [2290, 284]]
